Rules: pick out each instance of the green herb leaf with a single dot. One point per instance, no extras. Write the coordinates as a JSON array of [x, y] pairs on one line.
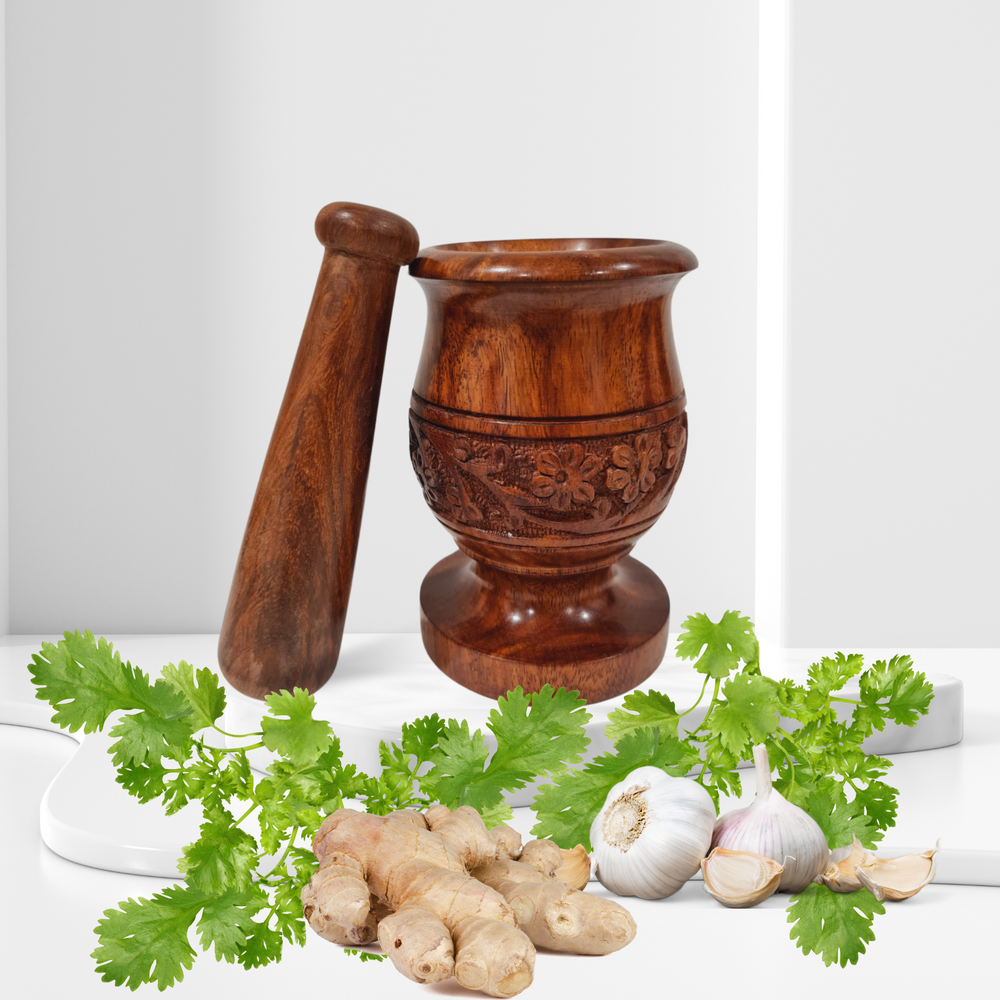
[[879, 803], [145, 933], [540, 733], [718, 775], [421, 737], [365, 956], [536, 734], [224, 856], [144, 781], [725, 643], [291, 730], [227, 919], [907, 694], [748, 715], [457, 777], [835, 925], [832, 673], [642, 710], [144, 737], [202, 691], [85, 681], [263, 945]]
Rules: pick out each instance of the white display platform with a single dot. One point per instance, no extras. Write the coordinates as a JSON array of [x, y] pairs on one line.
[[384, 680]]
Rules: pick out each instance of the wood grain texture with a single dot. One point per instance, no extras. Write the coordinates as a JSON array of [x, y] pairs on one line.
[[548, 431], [285, 617]]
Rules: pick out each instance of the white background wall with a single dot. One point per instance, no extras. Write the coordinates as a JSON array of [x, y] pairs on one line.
[[893, 412], [4, 491], [165, 164], [166, 161]]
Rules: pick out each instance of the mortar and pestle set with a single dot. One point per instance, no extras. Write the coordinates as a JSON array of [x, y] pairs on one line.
[[547, 431]]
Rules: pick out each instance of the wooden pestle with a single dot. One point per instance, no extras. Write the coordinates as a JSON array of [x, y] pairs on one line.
[[285, 617]]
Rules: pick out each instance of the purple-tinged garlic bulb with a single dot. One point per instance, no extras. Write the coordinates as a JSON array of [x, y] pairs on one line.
[[778, 830]]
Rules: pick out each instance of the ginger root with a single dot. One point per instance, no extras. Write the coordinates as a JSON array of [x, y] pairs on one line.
[[447, 897]]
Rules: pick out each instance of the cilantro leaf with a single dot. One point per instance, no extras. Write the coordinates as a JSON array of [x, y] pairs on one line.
[[642, 710], [748, 715], [145, 933], [835, 925], [298, 736], [215, 781], [725, 643], [421, 736], [537, 734], [719, 775], [143, 736], [832, 673], [289, 920], [263, 945], [365, 956], [202, 691], [459, 763], [223, 857], [144, 781], [543, 739], [85, 680], [226, 920], [878, 800], [566, 809], [329, 781], [907, 693]]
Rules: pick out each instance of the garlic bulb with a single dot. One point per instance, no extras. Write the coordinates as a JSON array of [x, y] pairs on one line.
[[651, 834], [897, 878], [740, 878], [772, 826], [840, 875]]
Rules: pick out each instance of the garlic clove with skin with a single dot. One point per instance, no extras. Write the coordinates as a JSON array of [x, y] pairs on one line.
[[651, 834], [896, 879], [575, 868], [840, 876], [740, 878], [776, 828]]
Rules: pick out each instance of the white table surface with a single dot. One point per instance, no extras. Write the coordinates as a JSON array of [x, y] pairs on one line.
[[937, 943]]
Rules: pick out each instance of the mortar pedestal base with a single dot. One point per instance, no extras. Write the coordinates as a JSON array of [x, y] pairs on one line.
[[600, 632]]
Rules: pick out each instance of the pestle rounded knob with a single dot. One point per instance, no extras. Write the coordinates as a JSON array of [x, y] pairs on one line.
[[367, 232]]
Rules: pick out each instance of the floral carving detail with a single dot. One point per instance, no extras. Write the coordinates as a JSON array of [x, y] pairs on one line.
[[634, 468], [538, 488], [462, 449], [676, 439], [457, 497], [562, 476], [426, 476]]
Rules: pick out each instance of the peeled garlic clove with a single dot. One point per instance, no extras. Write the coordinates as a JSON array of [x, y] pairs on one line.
[[740, 878], [840, 876], [575, 868], [897, 878]]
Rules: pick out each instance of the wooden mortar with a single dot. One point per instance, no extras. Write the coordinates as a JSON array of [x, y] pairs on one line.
[[548, 431]]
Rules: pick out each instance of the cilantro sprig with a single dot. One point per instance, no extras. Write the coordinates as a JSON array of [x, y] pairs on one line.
[[241, 891], [244, 905], [537, 735], [813, 735], [821, 766], [244, 874]]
